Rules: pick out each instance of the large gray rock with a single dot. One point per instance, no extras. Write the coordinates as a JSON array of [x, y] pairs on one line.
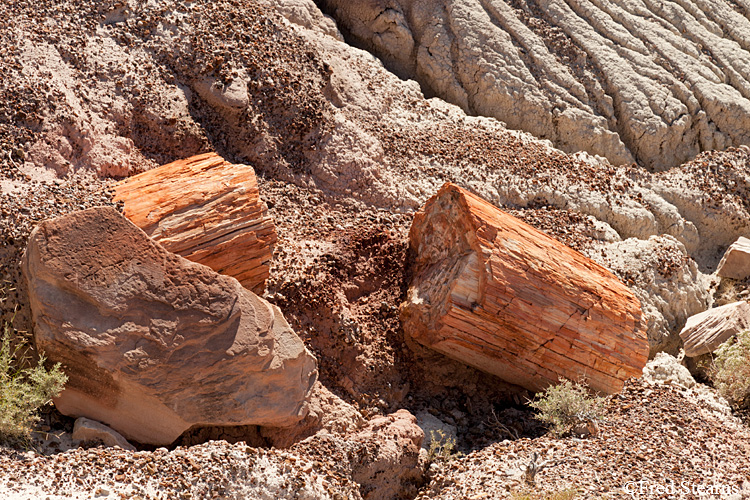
[[736, 261], [706, 331], [153, 343]]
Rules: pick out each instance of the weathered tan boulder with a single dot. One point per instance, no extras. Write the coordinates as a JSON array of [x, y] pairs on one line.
[[153, 343], [495, 293], [207, 210], [327, 413], [706, 331], [736, 261]]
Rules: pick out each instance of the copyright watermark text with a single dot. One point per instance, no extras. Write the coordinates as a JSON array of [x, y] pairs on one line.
[[645, 488]]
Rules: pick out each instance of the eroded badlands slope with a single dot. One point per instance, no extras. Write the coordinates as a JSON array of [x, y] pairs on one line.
[[114, 89], [345, 152], [640, 80]]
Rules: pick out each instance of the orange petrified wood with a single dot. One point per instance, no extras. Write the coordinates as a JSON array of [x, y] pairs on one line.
[[497, 294], [207, 210]]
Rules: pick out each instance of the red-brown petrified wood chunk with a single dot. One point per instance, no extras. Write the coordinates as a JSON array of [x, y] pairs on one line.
[[207, 210], [497, 294]]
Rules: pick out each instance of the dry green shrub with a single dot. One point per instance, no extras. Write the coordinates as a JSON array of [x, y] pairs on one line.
[[442, 447], [565, 405], [731, 370], [23, 391]]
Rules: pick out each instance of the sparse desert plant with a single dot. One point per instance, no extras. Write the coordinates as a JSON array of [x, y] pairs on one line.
[[534, 467], [567, 494], [23, 391], [567, 405], [731, 370], [728, 291], [442, 447], [500, 428]]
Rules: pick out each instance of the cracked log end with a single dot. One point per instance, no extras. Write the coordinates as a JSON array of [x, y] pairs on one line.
[[495, 293], [207, 210]]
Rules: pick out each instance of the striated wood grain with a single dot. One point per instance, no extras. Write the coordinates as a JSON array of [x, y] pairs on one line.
[[495, 293], [705, 332], [207, 210], [735, 263]]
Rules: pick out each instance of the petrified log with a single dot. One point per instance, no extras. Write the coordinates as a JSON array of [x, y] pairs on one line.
[[497, 294], [736, 261], [706, 331], [207, 210]]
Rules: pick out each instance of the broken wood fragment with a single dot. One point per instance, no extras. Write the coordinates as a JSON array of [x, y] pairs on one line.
[[207, 210]]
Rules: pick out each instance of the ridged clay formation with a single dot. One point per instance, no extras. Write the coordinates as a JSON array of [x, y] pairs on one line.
[[648, 81]]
